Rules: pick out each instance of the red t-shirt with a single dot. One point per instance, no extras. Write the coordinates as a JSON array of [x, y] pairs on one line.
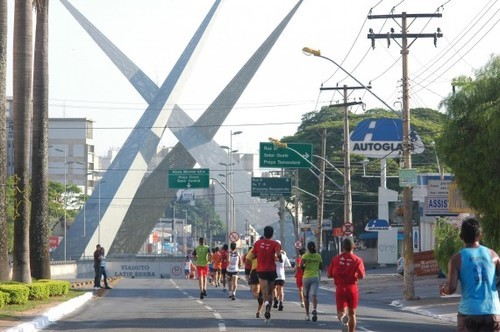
[[265, 250], [299, 272], [346, 269], [223, 259]]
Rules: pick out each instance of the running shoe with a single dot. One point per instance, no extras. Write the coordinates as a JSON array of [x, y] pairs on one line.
[[302, 304], [280, 307], [204, 292], [233, 297], [308, 318], [344, 320], [314, 315], [201, 295], [275, 305], [267, 314], [257, 315]]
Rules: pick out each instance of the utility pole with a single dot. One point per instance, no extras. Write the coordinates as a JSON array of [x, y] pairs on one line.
[[321, 193], [347, 155], [296, 216], [409, 273]]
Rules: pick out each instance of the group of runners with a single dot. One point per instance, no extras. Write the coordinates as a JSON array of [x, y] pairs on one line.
[[265, 264]]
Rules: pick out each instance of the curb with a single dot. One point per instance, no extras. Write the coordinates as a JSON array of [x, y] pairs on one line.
[[53, 314]]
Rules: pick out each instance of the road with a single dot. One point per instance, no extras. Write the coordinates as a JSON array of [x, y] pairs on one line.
[[165, 304]]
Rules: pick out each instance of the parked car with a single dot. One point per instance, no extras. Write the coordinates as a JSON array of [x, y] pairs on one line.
[[400, 265]]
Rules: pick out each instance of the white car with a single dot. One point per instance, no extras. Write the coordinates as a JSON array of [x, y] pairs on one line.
[[400, 265]]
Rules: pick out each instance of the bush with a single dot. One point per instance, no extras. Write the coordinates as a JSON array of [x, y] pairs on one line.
[[4, 299], [57, 287], [18, 294], [448, 242], [39, 291]]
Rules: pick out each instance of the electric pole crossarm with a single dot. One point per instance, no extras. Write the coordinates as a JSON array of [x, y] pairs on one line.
[[349, 88], [351, 103], [370, 17], [403, 35]]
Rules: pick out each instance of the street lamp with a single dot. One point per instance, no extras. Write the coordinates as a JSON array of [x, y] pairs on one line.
[[184, 242], [309, 51], [99, 212]]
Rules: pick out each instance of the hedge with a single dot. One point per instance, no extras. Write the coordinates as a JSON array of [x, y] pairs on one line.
[[18, 294], [57, 287], [39, 291], [4, 299]]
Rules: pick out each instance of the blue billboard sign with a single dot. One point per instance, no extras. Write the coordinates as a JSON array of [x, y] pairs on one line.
[[381, 138]]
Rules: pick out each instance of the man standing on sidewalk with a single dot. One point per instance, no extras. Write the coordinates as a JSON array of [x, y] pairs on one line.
[[97, 267], [346, 269], [476, 267], [202, 255]]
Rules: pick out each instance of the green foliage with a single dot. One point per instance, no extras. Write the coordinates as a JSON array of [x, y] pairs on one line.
[[426, 122], [18, 294], [57, 287], [469, 148], [39, 291], [448, 242], [4, 299]]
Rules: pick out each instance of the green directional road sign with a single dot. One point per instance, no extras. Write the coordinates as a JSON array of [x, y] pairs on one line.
[[295, 155], [268, 187], [188, 178]]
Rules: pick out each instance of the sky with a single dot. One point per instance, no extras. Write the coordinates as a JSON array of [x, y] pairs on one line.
[[153, 33]]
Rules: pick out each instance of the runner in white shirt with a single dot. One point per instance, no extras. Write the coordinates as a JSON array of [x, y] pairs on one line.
[[233, 267], [279, 290]]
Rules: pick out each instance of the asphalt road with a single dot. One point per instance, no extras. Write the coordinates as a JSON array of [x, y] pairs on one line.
[[163, 304]]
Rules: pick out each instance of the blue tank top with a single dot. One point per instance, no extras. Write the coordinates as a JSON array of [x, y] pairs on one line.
[[477, 279]]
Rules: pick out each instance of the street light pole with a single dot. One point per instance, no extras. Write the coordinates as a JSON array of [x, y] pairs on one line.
[[99, 211], [310, 51], [65, 151], [231, 179], [184, 251]]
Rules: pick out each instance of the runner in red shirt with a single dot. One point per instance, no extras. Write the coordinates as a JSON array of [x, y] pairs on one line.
[[224, 261], [345, 269], [266, 251], [298, 276]]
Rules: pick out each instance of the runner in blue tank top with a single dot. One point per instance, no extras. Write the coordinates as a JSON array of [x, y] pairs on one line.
[[476, 267]]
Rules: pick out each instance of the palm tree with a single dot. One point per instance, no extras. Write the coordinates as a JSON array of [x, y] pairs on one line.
[[4, 247], [39, 226], [22, 88]]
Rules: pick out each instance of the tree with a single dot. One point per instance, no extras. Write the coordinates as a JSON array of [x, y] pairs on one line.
[[447, 242], [468, 145], [39, 225], [22, 88], [4, 253], [426, 122]]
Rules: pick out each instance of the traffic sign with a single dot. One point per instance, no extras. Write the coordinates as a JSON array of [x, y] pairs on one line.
[[298, 244], [188, 178], [296, 155], [234, 236], [348, 228], [407, 177], [270, 187]]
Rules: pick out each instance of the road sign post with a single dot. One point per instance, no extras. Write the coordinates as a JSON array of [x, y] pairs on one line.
[[297, 155], [271, 187], [188, 178]]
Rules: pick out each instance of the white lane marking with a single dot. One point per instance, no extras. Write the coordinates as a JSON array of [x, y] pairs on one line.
[[222, 327]]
